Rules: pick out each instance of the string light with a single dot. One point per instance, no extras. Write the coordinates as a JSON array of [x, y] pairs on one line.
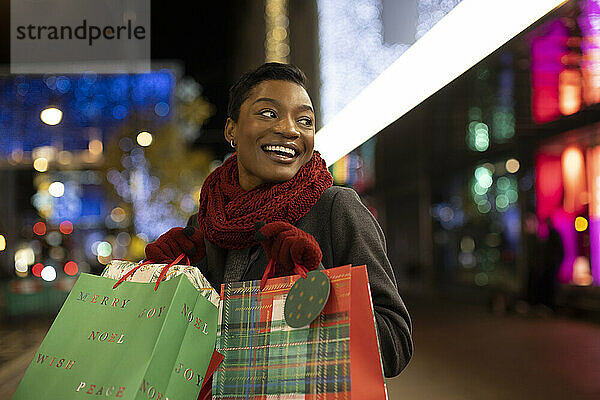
[[417, 73], [277, 44]]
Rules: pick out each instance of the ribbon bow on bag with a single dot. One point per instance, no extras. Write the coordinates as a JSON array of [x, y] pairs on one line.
[[289, 249]]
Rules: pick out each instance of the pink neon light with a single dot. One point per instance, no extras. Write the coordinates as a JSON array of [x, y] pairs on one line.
[[547, 51]]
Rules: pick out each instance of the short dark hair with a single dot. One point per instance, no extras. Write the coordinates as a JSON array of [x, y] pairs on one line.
[[271, 71]]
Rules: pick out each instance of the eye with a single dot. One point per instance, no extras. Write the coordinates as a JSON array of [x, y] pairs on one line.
[[306, 121], [268, 113]]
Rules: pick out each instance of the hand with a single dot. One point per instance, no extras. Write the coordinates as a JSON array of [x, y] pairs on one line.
[[171, 244], [288, 247]]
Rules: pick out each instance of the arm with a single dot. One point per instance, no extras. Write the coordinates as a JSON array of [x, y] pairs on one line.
[[358, 239]]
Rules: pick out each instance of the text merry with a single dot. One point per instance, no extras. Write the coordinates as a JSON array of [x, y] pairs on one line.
[[103, 300]]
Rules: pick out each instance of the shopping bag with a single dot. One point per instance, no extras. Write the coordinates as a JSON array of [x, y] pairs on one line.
[[132, 342], [335, 357]]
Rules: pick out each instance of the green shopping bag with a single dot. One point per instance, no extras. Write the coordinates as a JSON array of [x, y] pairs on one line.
[[131, 342]]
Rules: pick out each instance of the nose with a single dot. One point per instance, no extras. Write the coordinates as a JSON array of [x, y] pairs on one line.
[[287, 127]]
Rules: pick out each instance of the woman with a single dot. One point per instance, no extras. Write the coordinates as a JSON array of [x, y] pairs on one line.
[[276, 177]]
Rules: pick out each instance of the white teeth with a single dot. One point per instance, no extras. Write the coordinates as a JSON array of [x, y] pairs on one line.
[[282, 149]]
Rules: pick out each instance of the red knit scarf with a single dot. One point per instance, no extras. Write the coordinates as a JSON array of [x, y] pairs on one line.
[[227, 212]]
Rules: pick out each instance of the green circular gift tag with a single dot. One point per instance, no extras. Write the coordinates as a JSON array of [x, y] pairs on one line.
[[306, 299]]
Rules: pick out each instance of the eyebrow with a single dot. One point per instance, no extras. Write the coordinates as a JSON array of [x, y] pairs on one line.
[[302, 107]]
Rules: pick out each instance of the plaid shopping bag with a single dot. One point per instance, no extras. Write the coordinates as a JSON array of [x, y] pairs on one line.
[[265, 357]]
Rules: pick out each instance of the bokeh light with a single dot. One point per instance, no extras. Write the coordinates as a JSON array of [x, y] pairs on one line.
[[512, 165], [36, 270], [66, 227], [484, 177], [54, 239], [48, 273], [23, 259], [65, 157], [501, 202], [123, 239], [481, 279], [40, 164], [39, 228], [104, 249], [144, 139], [71, 268], [56, 189], [51, 116], [118, 214], [484, 208], [467, 244], [161, 109], [95, 147], [581, 224], [2, 243]]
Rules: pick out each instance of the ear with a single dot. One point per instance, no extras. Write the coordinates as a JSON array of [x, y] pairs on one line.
[[230, 130]]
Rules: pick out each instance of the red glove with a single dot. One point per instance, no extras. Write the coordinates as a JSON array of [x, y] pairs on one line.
[[289, 247], [171, 244]]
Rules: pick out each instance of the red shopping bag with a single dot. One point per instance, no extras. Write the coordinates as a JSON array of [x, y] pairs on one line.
[[367, 368], [335, 357]]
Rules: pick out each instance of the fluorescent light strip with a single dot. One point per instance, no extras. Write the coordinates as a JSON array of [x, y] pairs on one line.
[[466, 35]]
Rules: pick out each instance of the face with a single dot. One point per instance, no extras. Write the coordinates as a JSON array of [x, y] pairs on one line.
[[274, 134]]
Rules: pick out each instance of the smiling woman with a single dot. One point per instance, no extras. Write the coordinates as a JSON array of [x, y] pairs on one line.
[[274, 133], [273, 200]]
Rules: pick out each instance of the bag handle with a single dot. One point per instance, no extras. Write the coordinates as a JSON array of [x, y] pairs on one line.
[[270, 271], [163, 272]]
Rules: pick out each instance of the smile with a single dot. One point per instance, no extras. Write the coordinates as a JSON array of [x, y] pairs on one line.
[[279, 152]]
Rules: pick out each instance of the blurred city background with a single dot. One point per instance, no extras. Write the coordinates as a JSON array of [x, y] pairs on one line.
[[488, 191]]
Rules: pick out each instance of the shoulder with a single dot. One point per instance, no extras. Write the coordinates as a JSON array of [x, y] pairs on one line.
[[337, 196], [336, 205]]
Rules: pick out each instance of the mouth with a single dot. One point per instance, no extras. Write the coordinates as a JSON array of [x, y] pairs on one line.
[[281, 153]]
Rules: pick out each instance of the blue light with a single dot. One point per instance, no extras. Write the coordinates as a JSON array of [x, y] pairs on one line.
[[23, 88], [63, 84], [119, 112], [161, 109], [89, 100], [50, 82]]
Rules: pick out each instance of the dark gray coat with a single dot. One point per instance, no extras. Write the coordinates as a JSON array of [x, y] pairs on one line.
[[347, 234]]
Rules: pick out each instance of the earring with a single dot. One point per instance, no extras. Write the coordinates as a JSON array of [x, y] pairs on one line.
[[232, 143]]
